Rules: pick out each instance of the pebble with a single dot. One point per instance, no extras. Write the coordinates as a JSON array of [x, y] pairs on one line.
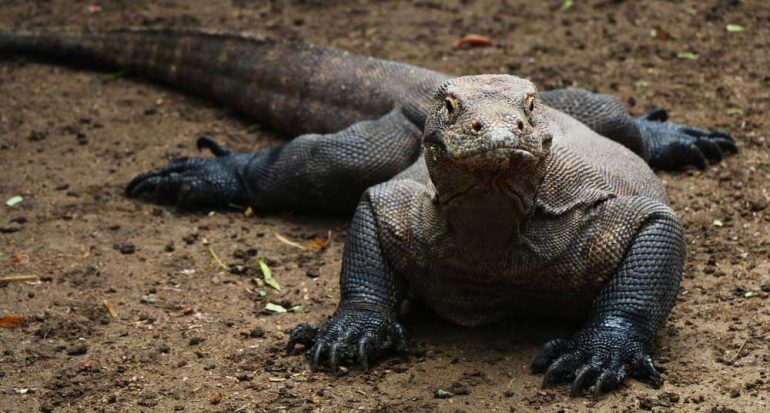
[[77, 349], [196, 340]]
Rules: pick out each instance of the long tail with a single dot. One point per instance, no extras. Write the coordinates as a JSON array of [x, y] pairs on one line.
[[293, 87]]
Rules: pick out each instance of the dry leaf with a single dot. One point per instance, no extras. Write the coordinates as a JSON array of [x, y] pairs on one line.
[[110, 308], [19, 278], [20, 258], [11, 321], [472, 40], [288, 241]]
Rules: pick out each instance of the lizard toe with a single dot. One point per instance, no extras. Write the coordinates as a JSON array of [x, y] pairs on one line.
[[608, 380], [304, 335], [549, 352], [643, 369], [563, 369], [206, 142], [584, 378], [155, 187]]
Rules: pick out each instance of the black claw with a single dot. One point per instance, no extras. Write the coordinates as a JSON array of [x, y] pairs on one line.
[[401, 345], [645, 370], [334, 357], [698, 159], [583, 379], [710, 149], [607, 381], [315, 361], [212, 145], [363, 357]]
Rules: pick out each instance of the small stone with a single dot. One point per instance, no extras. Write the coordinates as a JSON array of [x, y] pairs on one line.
[[148, 299], [77, 349], [126, 249], [245, 376], [645, 403], [196, 340], [148, 399], [442, 394], [508, 393], [735, 393], [215, 398], [459, 389], [257, 332], [313, 273]]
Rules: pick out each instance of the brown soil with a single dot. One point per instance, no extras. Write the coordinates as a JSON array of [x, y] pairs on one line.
[[190, 336]]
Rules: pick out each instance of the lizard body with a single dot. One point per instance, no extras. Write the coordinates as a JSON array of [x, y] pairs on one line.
[[479, 196]]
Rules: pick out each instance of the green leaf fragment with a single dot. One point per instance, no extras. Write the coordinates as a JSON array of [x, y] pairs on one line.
[[14, 200], [750, 294], [566, 5], [735, 111], [297, 309], [262, 293], [218, 260], [115, 75], [275, 308], [735, 28], [687, 56], [268, 275]]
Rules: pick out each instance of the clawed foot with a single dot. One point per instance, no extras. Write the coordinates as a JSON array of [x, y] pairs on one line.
[[348, 337], [194, 183], [596, 359], [674, 146]]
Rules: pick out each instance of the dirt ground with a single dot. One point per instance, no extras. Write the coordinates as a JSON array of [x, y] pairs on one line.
[[189, 336]]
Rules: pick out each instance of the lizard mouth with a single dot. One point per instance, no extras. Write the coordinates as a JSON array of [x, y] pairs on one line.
[[498, 157]]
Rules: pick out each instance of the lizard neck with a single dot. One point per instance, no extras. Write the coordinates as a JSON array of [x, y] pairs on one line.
[[491, 214]]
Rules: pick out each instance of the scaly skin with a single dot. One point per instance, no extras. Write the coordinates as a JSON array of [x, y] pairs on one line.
[[513, 207]]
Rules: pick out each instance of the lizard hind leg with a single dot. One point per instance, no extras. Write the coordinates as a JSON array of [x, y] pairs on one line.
[[673, 146], [312, 172]]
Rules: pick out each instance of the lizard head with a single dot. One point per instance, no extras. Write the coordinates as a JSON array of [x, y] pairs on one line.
[[486, 125]]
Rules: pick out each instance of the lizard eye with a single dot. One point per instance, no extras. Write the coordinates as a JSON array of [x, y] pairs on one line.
[[529, 103], [451, 104]]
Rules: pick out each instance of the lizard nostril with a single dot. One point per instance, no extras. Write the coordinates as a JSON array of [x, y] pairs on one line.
[[520, 125], [476, 125]]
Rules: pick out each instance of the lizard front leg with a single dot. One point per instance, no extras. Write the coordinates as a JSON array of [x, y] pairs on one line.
[[617, 339], [312, 172], [365, 325]]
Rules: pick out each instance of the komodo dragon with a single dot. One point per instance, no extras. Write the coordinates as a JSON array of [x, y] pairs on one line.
[[478, 196]]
